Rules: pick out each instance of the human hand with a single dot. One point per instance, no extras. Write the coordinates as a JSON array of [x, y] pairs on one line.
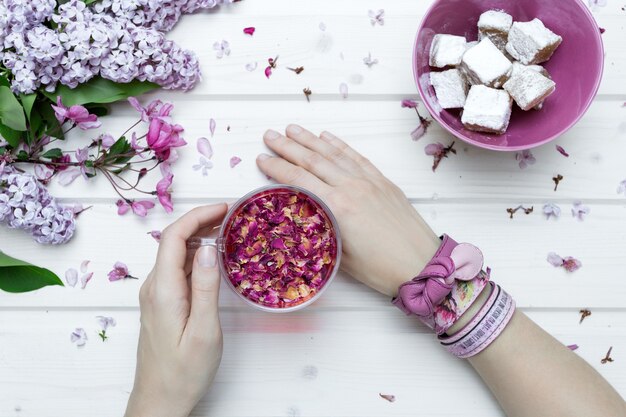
[[385, 241], [180, 343]]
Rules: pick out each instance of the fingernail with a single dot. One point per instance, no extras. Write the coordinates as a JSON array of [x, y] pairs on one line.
[[294, 129], [207, 256], [263, 157], [271, 134]]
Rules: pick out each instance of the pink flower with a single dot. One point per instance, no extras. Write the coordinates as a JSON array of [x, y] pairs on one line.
[[107, 140], [525, 158], [78, 115], [119, 271], [249, 30], [234, 161], [122, 207], [154, 109], [163, 193], [562, 151], [162, 136], [580, 211], [438, 152], [140, 208], [408, 103], [156, 235], [268, 71], [79, 336], [569, 263], [68, 176], [204, 147]]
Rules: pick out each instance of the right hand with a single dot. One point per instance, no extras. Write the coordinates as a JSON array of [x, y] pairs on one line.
[[385, 241]]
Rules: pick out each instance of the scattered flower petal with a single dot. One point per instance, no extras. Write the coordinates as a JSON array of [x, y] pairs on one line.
[[554, 259], [204, 165], [621, 188], [369, 61], [140, 208], [525, 158], [251, 66], [234, 161], [71, 277], [156, 235], [377, 17], [418, 132], [438, 152], [67, 176], [204, 147], [43, 173], [222, 48], [84, 280], [322, 26], [122, 207], [580, 210], [388, 397], [83, 266], [119, 271], [343, 90], [572, 347], [562, 151], [551, 209], [105, 323], [249, 30], [212, 125], [268, 72], [79, 336], [163, 192], [569, 263], [602, 30], [408, 103]]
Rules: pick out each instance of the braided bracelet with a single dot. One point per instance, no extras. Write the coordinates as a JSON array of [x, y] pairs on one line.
[[446, 288]]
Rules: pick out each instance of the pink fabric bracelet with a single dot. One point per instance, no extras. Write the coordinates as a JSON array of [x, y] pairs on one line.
[[484, 328], [447, 286]]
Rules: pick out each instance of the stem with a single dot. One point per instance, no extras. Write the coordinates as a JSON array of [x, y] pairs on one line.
[[131, 128]]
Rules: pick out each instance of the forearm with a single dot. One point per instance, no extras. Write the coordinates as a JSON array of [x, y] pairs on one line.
[[533, 375]]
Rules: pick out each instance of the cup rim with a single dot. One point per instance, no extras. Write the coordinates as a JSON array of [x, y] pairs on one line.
[[329, 214], [457, 134]]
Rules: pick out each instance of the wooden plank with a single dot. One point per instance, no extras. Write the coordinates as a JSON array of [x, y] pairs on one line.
[[515, 249], [291, 30], [593, 171], [311, 363]]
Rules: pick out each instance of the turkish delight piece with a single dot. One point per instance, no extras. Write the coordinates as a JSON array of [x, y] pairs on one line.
[[531, 42], [529, 88], [447, 50], [450, 87], [487, 110], [495, 25], [485, 64], [519, 67]]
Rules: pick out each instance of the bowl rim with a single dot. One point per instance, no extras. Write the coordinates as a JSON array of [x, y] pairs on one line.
[[294, 188], [435, 115]]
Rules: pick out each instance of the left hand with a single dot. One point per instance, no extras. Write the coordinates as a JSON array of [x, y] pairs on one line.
[[180, 343]]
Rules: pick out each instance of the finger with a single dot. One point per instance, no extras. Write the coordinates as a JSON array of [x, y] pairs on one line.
[[173, 245], [298, 155], [205, 286], [211, 231], [359, 159], [324, 148], [287, 173]]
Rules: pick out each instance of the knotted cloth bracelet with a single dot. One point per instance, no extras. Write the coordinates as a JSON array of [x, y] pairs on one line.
[[447, 286]]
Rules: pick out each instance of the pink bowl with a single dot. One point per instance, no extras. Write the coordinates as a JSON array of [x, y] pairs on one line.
[[576, 67]]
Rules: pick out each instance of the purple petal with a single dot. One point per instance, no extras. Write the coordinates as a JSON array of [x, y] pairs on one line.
[[204, 147], [212, 125], [71, 277], [67, 176], [79, 336], [343, 90], [572, 347], [156, 235], [408, 103], [562, 151], [418, 132], [571, 264], [234, 161], [268, 71], [85, 279], [251, 66], [433, 148], [621, 188], [554, 259], [84, 265]]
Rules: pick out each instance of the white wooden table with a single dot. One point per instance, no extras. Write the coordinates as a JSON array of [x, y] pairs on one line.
[[334, 358]]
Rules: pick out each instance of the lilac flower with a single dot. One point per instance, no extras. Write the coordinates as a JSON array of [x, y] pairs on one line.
[[570, 264], [377, 17], [79, 336], [369, 61], [222, 48], [71, 277], [525, 158], [119, 271], [621, 188], [204, 165], [26, 204], [343, 90], [105, 323], [234, 161], [551, 209], [580, 211]]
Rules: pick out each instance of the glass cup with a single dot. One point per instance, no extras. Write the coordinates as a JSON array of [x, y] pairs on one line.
[[227, 249]]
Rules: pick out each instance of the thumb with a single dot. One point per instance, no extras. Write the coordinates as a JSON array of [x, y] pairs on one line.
[[205, 286]]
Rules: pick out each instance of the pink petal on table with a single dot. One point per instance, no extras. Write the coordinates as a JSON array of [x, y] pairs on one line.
[[418, 132], [204, 147], [562, 151], [71, 277], [79, 336], [268, 71], [251, 66], [42, 172], [554, 259], [122, 207], [343, 90], [140, 208], [212, 125], [433, 148], [234, 161], [322, 26], [408, 103], [85, 279], [580, 210], [571, 264], [84, 265], [572, 347], [388, 397], [67, 176], [249, 30], [156, 235]]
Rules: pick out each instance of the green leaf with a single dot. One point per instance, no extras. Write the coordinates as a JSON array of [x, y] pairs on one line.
[[50, 122], [20, 276], [52, 153], [11, 112], [22, 156], [27, 103], [4, 81], [120, 147], [100, 90], [99, 110], [12, 136]]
